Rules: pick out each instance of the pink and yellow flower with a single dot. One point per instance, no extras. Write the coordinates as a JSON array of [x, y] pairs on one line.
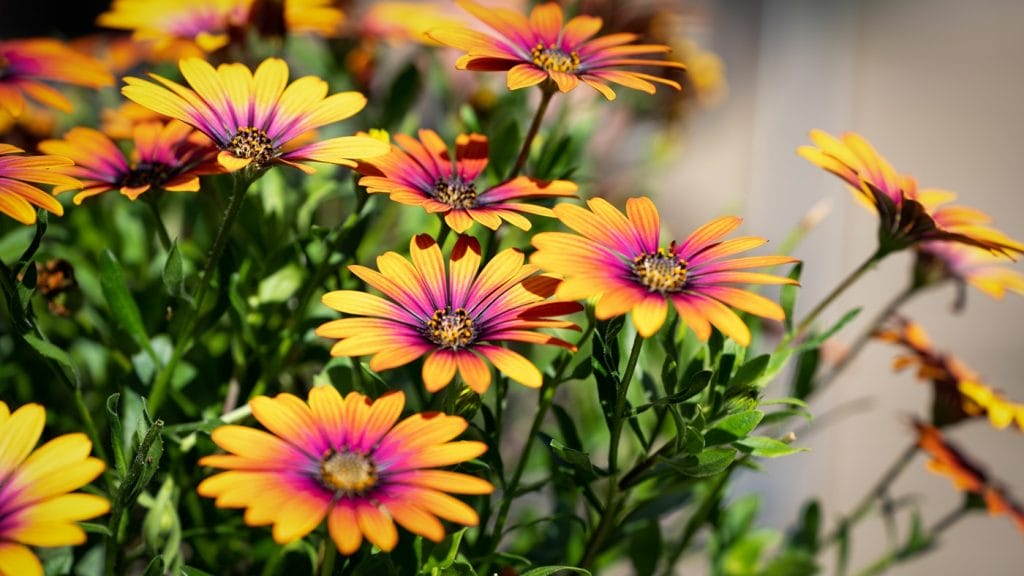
[[27, 65], [455, 315], [209, 24], [947, 460], [18, 174], [539, 48], [166, 156], [421, 173], [348, 460], [965, 264], [907, 216], [619, 260], [38, 505], [258, 119], [405, 21]]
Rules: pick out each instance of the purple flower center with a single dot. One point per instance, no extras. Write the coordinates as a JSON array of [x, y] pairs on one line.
[[448, 329], [455, 193], [348, 472], [662, 271], [553, 59], [254, 144]]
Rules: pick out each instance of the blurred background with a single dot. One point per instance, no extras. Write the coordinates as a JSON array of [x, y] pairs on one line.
[[935, 85]]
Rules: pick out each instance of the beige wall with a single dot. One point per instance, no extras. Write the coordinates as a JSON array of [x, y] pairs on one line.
[[936, 85]]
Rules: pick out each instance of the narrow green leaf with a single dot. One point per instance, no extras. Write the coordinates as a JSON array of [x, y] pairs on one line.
[[122, 305], [155, 568], [577, 460], [765, 447], [734, 427], [174, 272], [54, 353], [552, 570], [750, 371], [820, 339], [787, 296], [116, 435]]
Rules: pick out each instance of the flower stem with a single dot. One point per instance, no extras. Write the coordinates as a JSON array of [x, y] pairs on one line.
[[611, 498], [547, 91], [893, 557], [443, 232], [877, 492], [858, 345], [242, 181], [850, 280], [330, 555], [161, 228]]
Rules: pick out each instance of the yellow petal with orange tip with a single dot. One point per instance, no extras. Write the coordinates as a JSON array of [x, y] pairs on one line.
[[377, 526], [394, 357], [600, 86], [17, 208], [748, 302], [425, 429], [474, 371], [299, 517], [649, 315], [344, 529], [445, 506], [355, 302], [445, 454], [692, 317], [52, 457], [438, 370], [453, 482], [513, 365], [525, 75], [19, 434], [724, 319], [617, 300], [416, 520]]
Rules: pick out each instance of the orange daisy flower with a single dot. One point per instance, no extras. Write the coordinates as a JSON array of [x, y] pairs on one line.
[[38, 502], [907, 216], [19, 173], [254, 118], [540, 48], [26, 66], [166, 156], [947, 460], [959, 392], [348, 460], [421, 173], [456, 317], [618, 259]]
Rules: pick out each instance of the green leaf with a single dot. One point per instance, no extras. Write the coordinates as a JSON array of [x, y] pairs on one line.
[[94, 528], [734, 427], [787, 296], [693, 441], [765, 447], [57, 561], [695, 384], [155, 568], [803, 376], [174, 272], [280, 285], [578, 461], [606, 363], [190, 571], [645, 549], [122, 305], [750, 371], [401, 96], [116, 435], [807, 534], [459, 568], [708, 463], [552, 570], [52, 352], [820, 339]]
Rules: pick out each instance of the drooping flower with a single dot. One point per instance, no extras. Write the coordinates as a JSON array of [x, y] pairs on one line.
[[18, 173], [255, 119], [619, 259], [27, 65], [947, 460], [455, 316], [421, 173], [540, 48], [165, 156], [907, 216], [965, 264], [38, 505], [348, 460], [209, 24], [959, 392]]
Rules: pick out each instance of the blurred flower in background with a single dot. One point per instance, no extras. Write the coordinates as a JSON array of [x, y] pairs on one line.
[[19, 175], [27, 66]]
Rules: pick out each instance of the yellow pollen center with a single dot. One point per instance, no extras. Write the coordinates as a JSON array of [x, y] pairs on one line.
[[252, 143], [455, 193], [348, 472], [449, 329], [553, 59], [660, 272]]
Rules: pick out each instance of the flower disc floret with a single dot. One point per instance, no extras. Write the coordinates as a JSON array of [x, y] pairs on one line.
[[348, 472], [662, 271]]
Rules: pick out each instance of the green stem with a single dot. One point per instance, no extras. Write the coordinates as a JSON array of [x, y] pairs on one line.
[[330, 555], [544, 401], [611, 497], [242, 181], [547, 91], [858, 345], [894, 557], [850, 280], [161, 228], [701, 515], [877, 492], [443, 232]]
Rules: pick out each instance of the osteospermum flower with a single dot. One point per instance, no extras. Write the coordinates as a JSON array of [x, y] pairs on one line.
[[27, 65], [257, 119], [454, 316], [168, 156], [907, 216], [965, 264], [421, 173], [18, 174], [539, 48], [947, 460], [38, 505], [209, 24], [405, 21], [959, 392], [348, 460], [618, 259]]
